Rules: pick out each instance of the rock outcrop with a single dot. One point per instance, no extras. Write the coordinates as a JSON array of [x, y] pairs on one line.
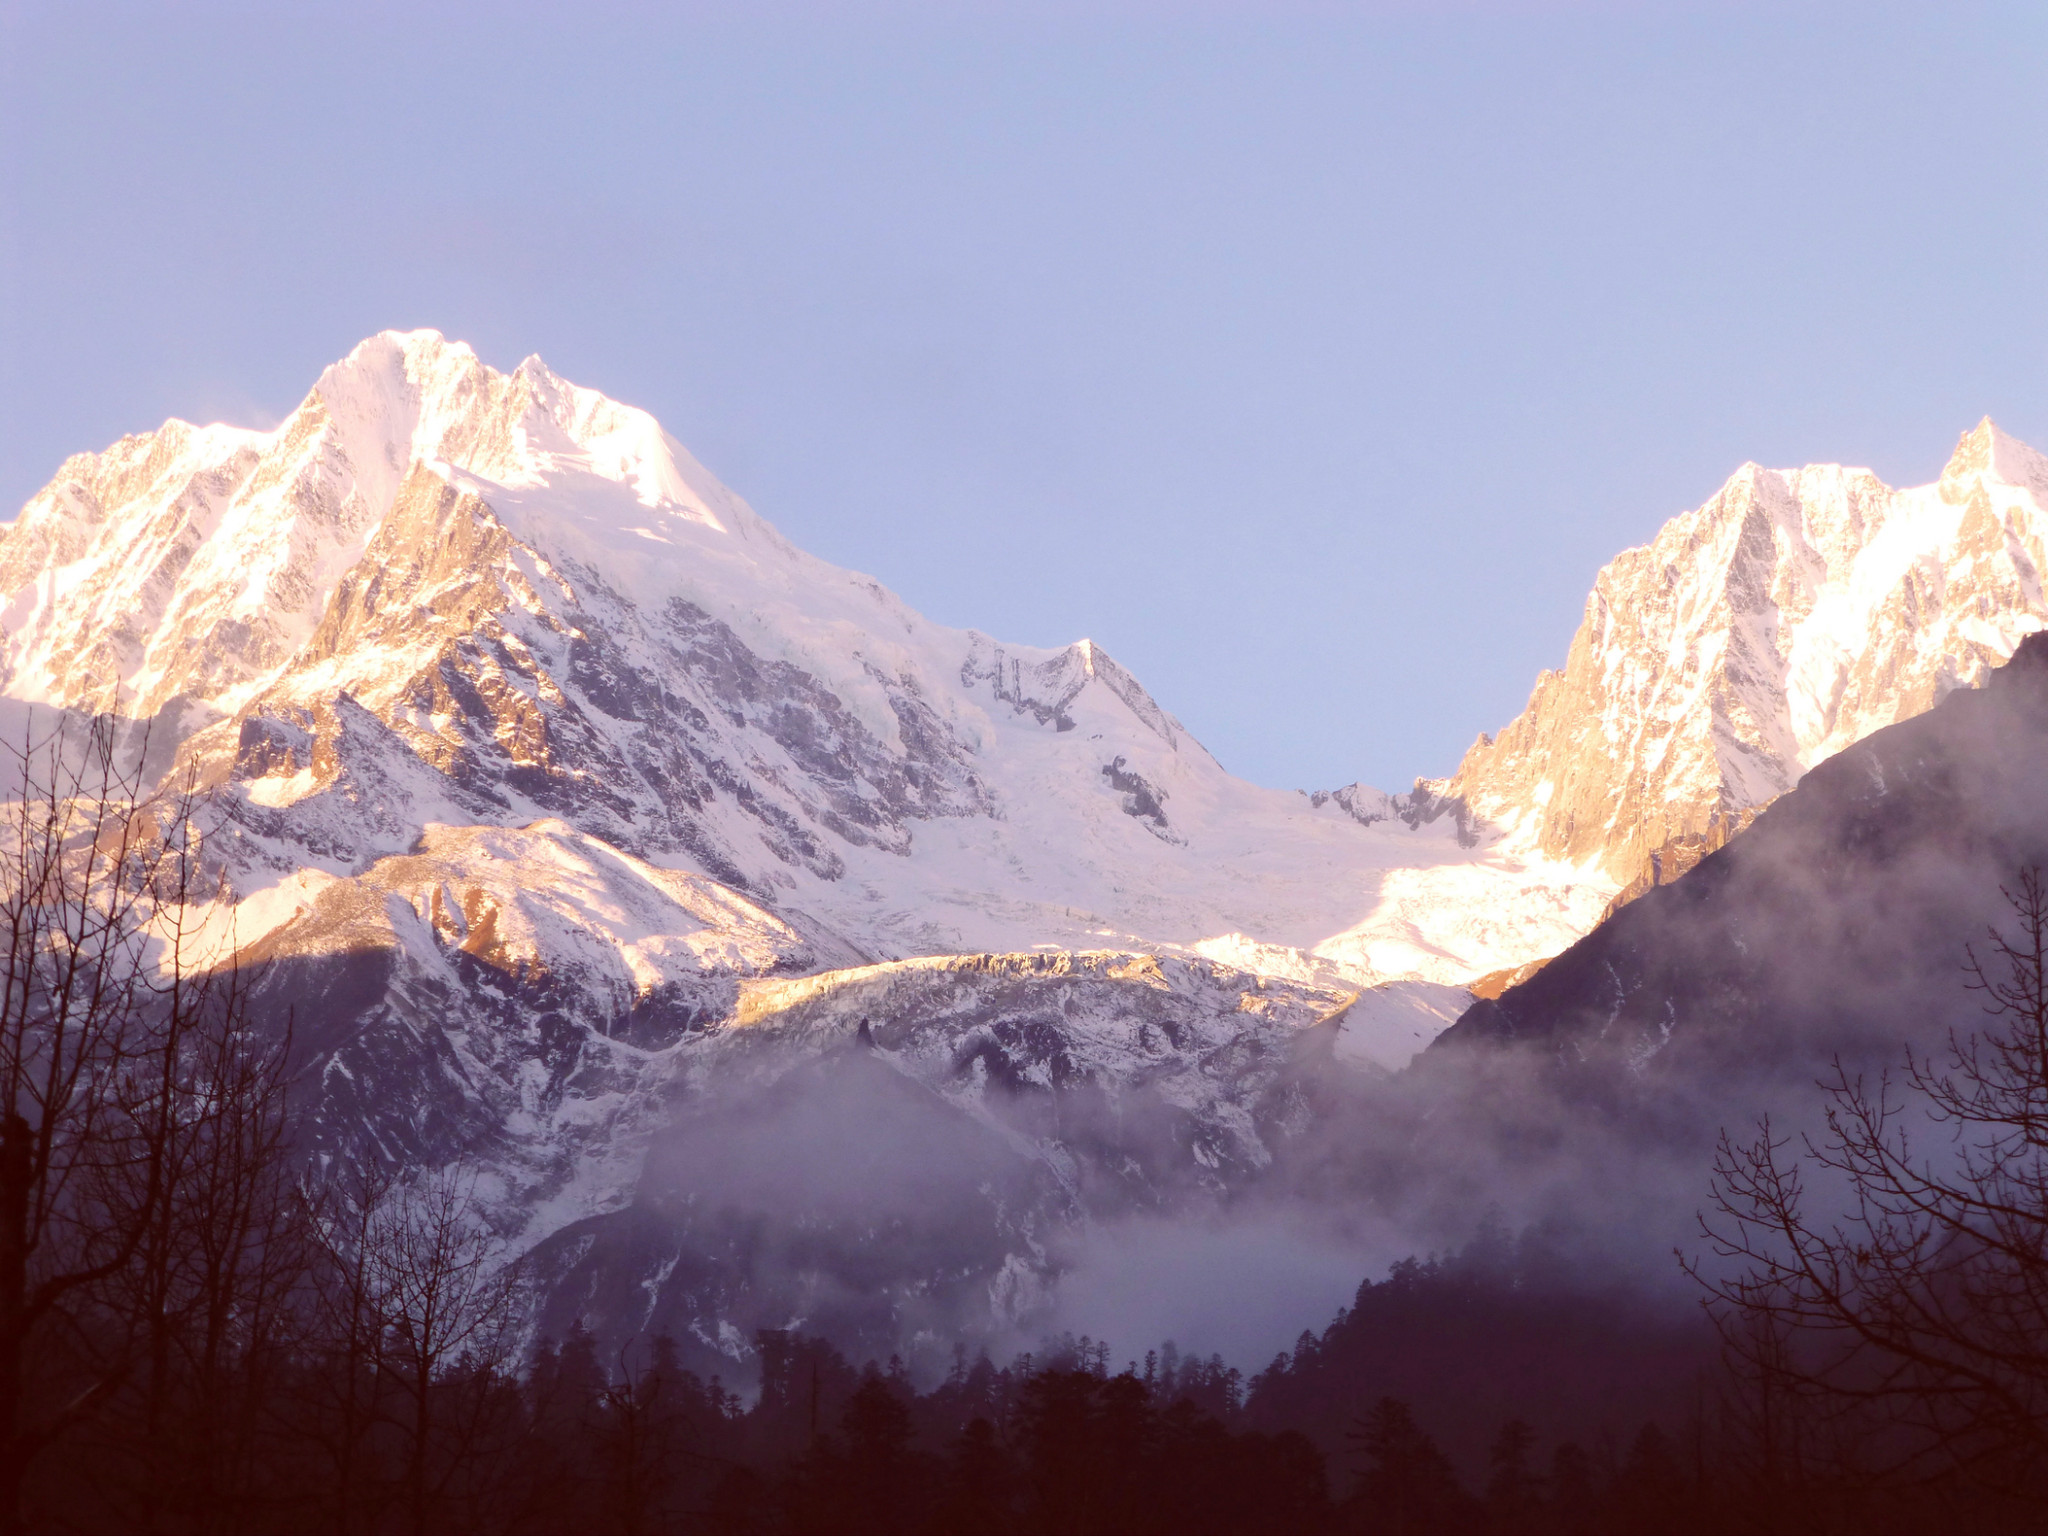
[[1789, 617]]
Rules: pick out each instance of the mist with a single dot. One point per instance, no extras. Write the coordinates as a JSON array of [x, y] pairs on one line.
[[1239, 1284]]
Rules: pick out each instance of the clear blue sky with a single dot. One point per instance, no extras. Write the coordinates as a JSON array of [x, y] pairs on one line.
[[1311, 358]]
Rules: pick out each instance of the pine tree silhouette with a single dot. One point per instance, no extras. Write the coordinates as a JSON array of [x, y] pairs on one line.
[[1405, 1484]]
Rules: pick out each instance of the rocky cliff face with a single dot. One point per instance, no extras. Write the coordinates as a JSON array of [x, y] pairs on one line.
[[1791, 616], [902, 1151], [694, 1128]]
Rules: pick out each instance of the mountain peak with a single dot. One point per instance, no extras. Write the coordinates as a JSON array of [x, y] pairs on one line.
[[1988, 451], [1801, 594], [420, 356], [405, 397]]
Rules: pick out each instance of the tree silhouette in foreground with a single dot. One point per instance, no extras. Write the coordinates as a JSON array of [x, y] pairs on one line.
[[1405, 1484], [142, 1195], [1906, 1340]]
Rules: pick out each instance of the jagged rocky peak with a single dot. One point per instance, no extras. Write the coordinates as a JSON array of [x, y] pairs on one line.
[[1790, 616], [1045, 686], [544, 766], [402, 398], [193, 562], [1987, 453]]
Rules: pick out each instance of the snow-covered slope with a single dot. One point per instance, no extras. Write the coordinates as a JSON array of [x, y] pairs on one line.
[[694, 1128], [442, 594], [1791, 616]]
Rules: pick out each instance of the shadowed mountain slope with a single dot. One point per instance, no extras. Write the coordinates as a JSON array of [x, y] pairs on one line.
[[1837, 919]]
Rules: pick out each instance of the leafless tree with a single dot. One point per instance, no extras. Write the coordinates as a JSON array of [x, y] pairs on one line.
[[419, 1298], [98, 1022], [1920, 1313], [347, 1334], [640, 1435], [205, 1309]]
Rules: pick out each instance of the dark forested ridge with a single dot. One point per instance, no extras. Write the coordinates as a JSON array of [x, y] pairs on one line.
[[1389, 1421], [1834, 922]]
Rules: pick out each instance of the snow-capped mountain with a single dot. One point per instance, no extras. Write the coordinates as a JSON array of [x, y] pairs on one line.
[[442, 595], [541, 763], [1791, 616], [561, 801]]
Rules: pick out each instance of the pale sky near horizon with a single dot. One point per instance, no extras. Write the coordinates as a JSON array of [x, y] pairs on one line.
[[1311, 358]]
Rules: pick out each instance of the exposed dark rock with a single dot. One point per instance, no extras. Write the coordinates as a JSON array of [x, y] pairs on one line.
[[1141, 797]]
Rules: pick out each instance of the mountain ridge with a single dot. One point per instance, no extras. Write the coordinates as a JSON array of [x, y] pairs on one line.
[[503, 573], [570, 809], [1791, 614]]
